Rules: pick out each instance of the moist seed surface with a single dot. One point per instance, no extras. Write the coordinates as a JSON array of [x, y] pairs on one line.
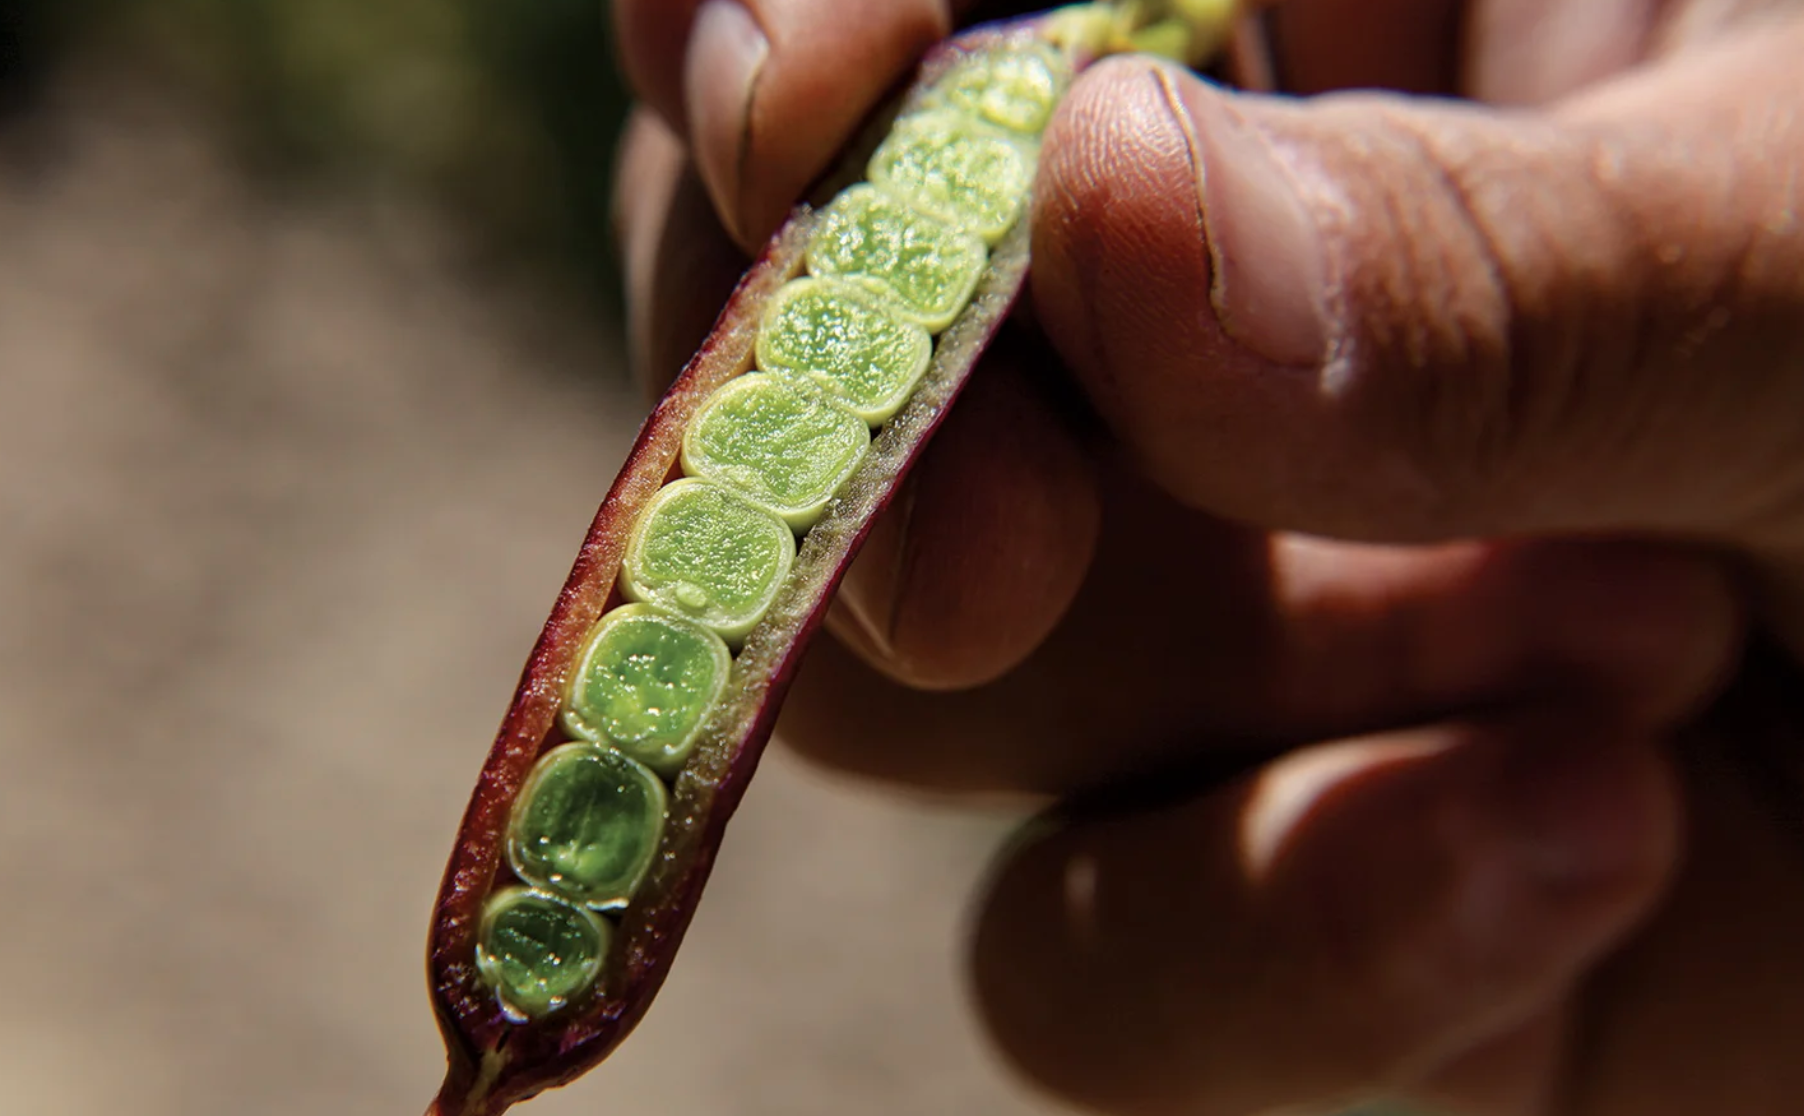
[[644, 684], [943, 164], [929, 266], [784, 448], [587, 825], [707, 553], [1015, 89], [848, 342], [538, 952]]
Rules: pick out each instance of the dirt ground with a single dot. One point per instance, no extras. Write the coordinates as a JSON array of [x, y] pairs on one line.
[[286, 487]]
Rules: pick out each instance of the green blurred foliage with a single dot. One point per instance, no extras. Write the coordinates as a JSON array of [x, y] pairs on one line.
[[509, 109]]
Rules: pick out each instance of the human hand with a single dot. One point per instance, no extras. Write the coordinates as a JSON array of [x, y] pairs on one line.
[[1393, 321]]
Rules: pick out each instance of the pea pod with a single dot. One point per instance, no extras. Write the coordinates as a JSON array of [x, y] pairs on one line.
[[653, 687]]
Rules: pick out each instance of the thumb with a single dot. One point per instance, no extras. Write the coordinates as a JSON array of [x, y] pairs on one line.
[[1395, 319]]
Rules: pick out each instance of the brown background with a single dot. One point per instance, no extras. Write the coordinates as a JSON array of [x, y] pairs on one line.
[[287, 484]]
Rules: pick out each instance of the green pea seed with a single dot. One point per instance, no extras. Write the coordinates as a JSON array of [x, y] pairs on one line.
[[587, 825], [538, 952], [644, 684], [947, 165], [928, 266], [708, 554], [781, 446], [848, 342], [1011, 89]]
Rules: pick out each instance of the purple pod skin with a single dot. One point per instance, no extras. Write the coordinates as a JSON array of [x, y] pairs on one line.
[[495, 1061]]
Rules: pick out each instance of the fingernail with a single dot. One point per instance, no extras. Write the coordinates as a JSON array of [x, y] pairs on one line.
[[727, 50], [1270, 270]]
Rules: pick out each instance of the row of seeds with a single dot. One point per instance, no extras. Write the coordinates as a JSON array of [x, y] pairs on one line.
[[838, 353]]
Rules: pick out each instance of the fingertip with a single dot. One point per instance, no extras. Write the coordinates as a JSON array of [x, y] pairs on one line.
[[1464, 874], [984, 553], [649, 168], [1114, 210], [722, 68], [679, 265], [1515, 333], [1652, 631], [652, 37], [773, 90], [1359, 912], [1176, 268], [1059, 996]]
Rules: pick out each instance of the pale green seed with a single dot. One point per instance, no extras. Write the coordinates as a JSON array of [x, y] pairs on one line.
[[928, 266], [587, 825], [709, 554], [848, 342], [947, 165], [1013, 89], [781, 446], [644, 684], [538, 952]]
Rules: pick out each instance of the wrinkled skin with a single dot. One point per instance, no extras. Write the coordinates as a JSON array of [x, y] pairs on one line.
[[1448, 449]]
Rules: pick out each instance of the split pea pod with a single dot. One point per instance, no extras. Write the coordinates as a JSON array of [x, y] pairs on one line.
[[648, 698]]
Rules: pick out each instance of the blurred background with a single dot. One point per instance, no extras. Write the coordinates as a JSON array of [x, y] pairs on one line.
[[310, 378]]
